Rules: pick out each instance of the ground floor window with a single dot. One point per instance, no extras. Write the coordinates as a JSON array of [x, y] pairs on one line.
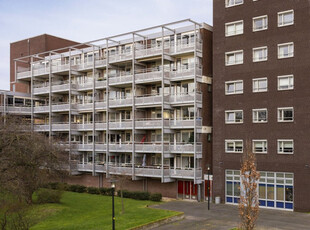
[[275, 189]]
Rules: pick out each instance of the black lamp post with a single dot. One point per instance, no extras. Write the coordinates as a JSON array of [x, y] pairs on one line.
[[113, 213], [208, 187]]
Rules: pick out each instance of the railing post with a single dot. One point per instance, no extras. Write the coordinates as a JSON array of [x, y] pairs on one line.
[[133, 105]]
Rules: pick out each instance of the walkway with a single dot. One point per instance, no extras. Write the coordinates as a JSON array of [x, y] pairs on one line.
[[223, 217]]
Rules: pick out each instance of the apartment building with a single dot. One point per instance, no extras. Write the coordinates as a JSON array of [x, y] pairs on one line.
[[15, 104], [136, 104], [30, 46], [261, 99]]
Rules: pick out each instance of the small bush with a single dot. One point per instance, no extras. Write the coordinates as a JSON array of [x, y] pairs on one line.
[[48, 196], [156, 197], [53, 185], [81, 188], [72, 188], [109, 192], [93, 190], [103, 191], [141, 195]]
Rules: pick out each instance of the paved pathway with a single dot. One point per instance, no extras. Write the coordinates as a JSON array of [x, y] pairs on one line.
[[223, 217]]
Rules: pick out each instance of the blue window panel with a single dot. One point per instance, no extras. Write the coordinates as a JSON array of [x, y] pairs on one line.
[[262, 203], [270, 203], [288, 205], [229, 199], [236, 200], [280, 204]]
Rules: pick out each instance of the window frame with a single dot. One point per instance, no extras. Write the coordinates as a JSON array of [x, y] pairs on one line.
[[257, 110], [285, 140], [234, 23], [234, 52], [290, 54], [234, 141], [228, 6], [260, 48], [281, 14], [259, 17], [233, 82], [234, 122], [285, 108], [264, 146], [290, 87], [259, 79]]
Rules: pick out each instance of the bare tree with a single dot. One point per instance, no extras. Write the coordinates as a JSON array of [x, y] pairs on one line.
[[121, 179], [249, 204], [27, 159]]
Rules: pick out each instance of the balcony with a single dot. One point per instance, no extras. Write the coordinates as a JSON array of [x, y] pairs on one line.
[[150, 123], [88, 167], [185, 148], [61, 106], [119, 170], [101, 105], [150, 100], [186, 73], [23, 73], [120, 102], [150, 75], [150, 171], [60, 67], [120, 57], [186, 173], [41, 127], [85, 106], [120, 147], [119, 125], [41, 109], [151, 147], [10, 109], [185, 124], [185, 98], [149, 50], [120, 79], [82, 127], [186, 47]]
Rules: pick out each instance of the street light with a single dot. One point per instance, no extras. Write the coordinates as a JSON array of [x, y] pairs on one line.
[[208, 186], [113, 215]]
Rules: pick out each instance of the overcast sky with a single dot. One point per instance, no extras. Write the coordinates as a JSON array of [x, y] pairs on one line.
[[86, 20]]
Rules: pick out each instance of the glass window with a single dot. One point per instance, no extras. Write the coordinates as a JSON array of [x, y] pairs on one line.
[[260, 85], [285, 114], [280, 192], [234, 28], [230, 3], [234, 58], [262, 191], [234, 87], [260, 54], [233, 146], [260, 146], [289, 193], [260, 115], [286, 50], [285, 146], [285, 82], [260, 23], [286, 18], [234, 116]]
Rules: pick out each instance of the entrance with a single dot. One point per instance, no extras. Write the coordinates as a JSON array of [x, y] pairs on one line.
[[187, 190]]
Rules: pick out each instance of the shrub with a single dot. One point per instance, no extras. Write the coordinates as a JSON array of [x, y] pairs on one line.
[[103, 191], [53, 185], [48, 196], [109, 191], [156, 197], [141, 195], [93, 190], [72, 188], [81, 188]]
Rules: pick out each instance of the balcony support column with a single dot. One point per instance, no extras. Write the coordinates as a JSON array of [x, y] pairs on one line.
[[70, 108], [133, 156], [162, 105], [93, 115], [31, 88], [195, 104], [107, 110], [50, 97]]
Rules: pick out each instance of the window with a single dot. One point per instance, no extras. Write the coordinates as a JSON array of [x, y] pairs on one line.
[[285, 146], [285, 82], [233, 87], [285, 114], [233, 146], [234, 57], [260, 54], [260, 115], [260, 23], [233, 28], [286, 18], [259, 146], [230, 3], [260, 85], [234, 116], [286, 50]]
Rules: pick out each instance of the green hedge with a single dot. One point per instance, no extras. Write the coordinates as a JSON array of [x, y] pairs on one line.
[[137, 195], [48, 196]]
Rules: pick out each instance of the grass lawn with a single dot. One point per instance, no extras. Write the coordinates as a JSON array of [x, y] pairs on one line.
[[91, 212]]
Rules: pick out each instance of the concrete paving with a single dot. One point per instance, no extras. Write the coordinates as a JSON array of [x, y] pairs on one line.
[[223, 217]]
